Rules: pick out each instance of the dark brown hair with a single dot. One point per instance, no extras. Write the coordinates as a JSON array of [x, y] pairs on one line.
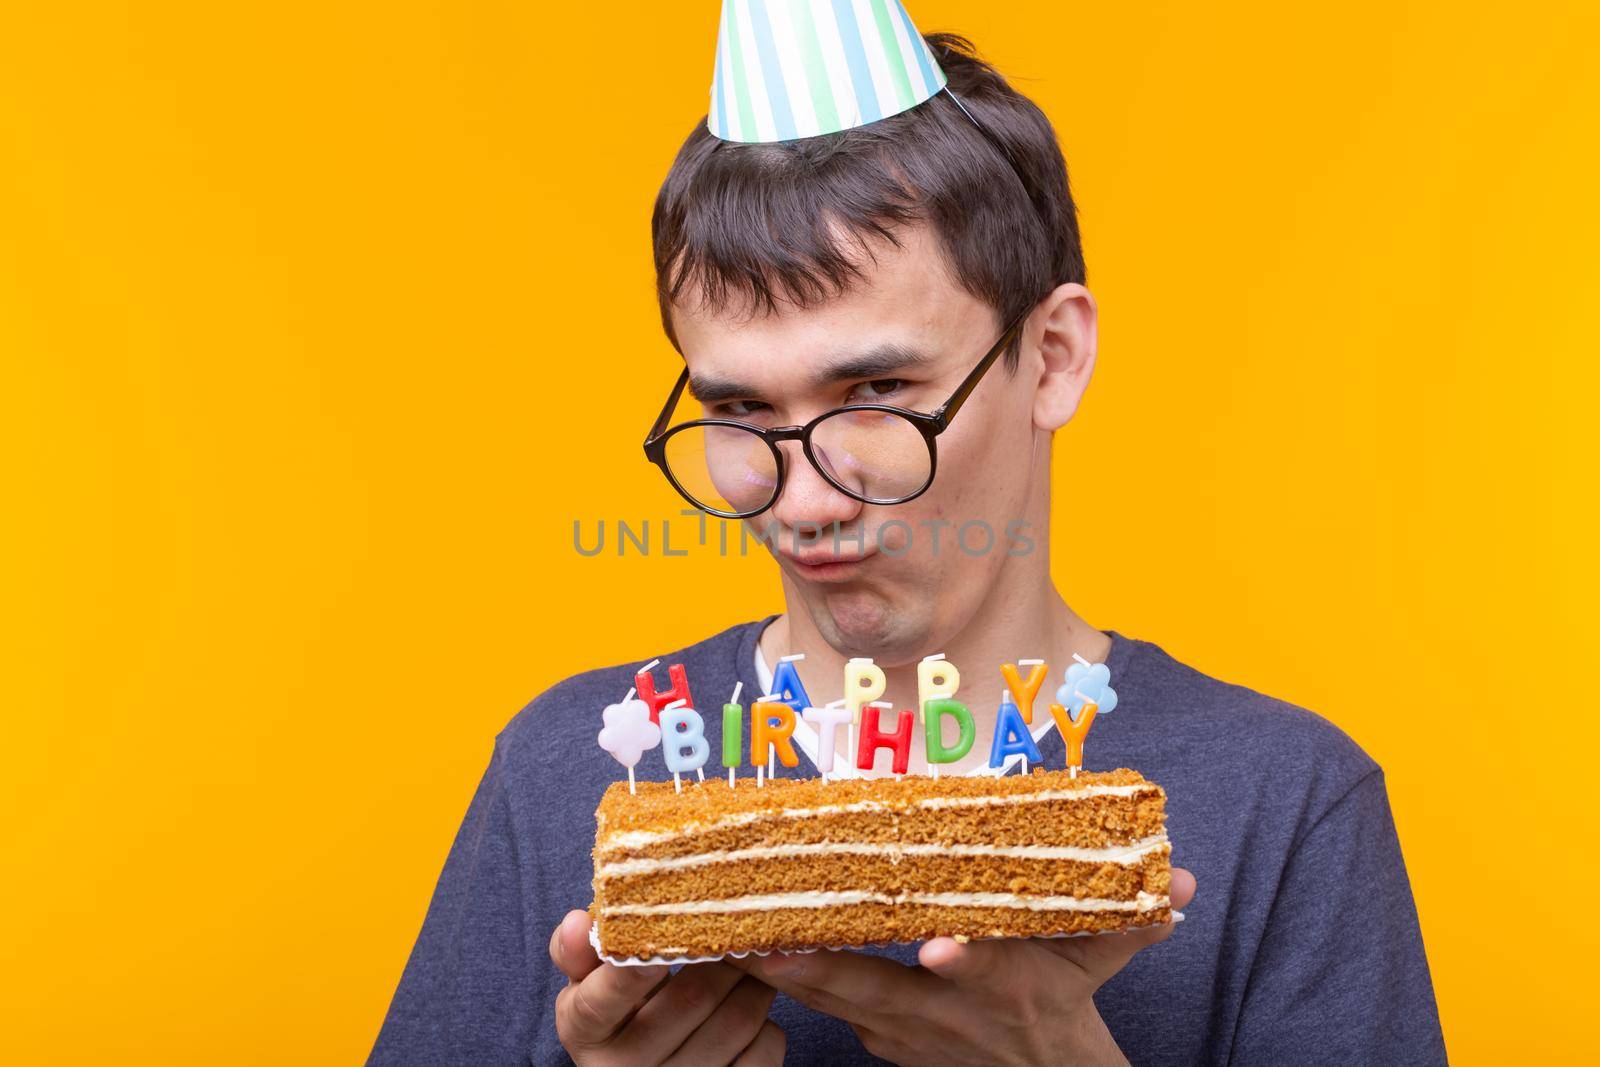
[[749, 225]]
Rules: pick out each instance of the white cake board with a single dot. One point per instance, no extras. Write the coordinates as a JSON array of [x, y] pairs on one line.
[[673, 961]]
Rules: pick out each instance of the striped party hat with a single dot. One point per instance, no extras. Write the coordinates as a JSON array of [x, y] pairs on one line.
[[799, 68]]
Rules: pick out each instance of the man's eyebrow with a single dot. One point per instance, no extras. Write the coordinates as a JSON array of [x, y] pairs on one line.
[[880, 361], [710, 390]]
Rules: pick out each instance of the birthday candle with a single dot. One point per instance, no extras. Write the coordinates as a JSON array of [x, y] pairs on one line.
[[1023, 692], [937, 679], [863, 683], [1074, 731], [732, 732], [786, 685], [872, 739], [683, 728], [628, 733], [771, 727], [658, 699], [933, 733], [826, 720], [1011, 736]]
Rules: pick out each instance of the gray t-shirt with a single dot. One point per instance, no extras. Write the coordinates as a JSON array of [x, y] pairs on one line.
[[1301, 945]]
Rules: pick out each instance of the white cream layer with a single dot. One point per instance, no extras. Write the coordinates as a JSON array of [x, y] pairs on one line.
[[773, 901], [626, 839], [1124, 855]]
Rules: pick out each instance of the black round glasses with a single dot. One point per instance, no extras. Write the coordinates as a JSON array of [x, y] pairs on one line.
[[874, 453]]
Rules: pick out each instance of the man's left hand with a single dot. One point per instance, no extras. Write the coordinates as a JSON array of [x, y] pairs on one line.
[[1005, 1002]]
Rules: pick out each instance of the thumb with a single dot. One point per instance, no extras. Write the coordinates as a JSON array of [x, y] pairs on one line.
[[570, 949]]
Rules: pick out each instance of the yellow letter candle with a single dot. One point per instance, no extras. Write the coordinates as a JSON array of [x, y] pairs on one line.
[[937, 679], [1023, 692]]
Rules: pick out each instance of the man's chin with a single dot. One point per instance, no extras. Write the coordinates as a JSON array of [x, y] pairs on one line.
[[864, 622]]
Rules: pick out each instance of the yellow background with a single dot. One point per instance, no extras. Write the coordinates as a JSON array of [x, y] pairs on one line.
[[321, 323]]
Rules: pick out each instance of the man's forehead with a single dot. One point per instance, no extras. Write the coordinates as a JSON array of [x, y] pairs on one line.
[[895, 318]]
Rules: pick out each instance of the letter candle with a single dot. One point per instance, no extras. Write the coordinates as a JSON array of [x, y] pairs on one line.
[[826, 719], [658, 699], [771, 726], [933, 733], [732, 732], [1073, 731], [898, 742], [1011, 735], [863, 683], [937, 679], [682, 727], [1023, 692], [786, 684]]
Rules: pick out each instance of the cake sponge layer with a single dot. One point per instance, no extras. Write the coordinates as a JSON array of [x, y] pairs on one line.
[[847, 925]]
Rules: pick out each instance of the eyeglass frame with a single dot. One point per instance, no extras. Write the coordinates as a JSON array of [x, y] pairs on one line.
[[929, 424]]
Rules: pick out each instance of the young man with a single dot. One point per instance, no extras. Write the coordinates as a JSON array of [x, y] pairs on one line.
[[881, 265]]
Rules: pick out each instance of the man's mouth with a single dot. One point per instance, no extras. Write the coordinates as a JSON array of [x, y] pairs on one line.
[[826, 565]]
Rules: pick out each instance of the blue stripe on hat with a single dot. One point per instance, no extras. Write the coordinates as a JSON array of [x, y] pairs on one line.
[[931, 78], [855, 54], [771, 73], [719, 92]]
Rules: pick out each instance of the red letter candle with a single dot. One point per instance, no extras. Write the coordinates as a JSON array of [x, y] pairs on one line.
[[646, 684], [872, 738]]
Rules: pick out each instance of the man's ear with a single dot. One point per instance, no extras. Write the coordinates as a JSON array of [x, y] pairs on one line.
[[1065, 328]]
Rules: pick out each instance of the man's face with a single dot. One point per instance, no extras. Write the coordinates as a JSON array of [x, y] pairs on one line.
[[889, 581]]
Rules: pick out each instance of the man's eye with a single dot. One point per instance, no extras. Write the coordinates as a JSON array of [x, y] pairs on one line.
[[740, 409], [877, 390]]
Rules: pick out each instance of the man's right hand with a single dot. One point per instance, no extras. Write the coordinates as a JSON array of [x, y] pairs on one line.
[[706, 1014]]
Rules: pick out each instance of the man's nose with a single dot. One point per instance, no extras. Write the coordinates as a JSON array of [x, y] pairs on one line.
[[808, 498]]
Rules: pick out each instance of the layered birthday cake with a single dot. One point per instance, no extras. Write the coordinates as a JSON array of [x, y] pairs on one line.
[[708, 870]]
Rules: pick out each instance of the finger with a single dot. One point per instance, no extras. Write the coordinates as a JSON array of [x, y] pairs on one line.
[[730, 1029], [1183, 887], [847, 985], [570, 949], [767, 1049], [591, 1011], [683, 1002]]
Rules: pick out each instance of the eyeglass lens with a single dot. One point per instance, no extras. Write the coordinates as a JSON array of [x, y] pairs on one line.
[[875, 456]]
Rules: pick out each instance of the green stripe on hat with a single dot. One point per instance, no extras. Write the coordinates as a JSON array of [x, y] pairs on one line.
[[892, 56], [741, 84], [816, 71]]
